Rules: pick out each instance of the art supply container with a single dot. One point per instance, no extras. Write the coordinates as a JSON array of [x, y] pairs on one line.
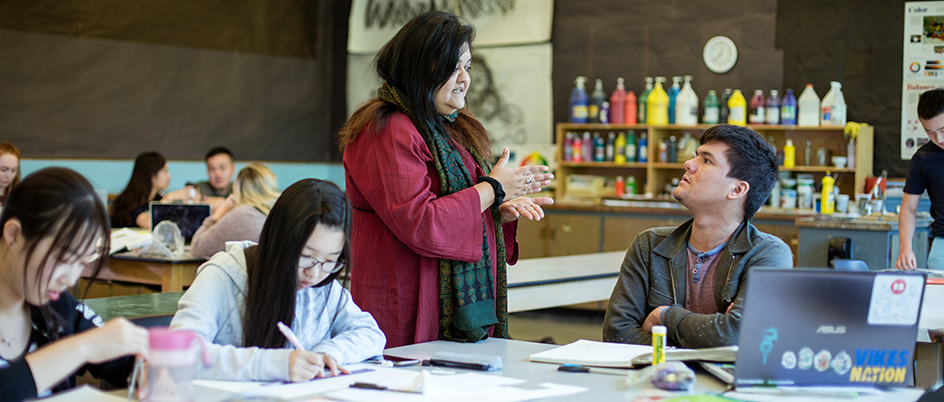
[[171, 365]]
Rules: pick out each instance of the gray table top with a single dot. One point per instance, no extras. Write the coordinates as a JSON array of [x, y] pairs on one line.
[[135, 306]]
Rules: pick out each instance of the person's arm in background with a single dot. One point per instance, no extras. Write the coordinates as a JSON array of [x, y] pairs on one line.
[[906, 227], [143, 220]]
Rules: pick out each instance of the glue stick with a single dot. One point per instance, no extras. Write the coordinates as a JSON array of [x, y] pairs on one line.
[[658, 344]]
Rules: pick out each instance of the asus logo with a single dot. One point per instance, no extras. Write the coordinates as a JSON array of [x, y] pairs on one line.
[[829, 329]]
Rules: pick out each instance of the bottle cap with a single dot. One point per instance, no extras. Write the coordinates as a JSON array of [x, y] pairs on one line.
[[659, 329]]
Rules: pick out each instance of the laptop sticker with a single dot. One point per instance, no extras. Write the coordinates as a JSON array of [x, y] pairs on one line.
[[842, 363], [822, 359], [789, 360], [895, 299], [767, 342], [806, 359]]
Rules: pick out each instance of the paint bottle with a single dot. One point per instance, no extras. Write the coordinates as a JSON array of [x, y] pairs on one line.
[[643, 148], [686, 105], [620, 145], [620, 187], [578, 149], [827, 196], [605, 112], [587, 150], [631, 185], [664, 151], [737, 107], [723, 110], [618, 103], [808, 108], [596, 102], [643, 102], [657, 105], [788, 109], [578, 101], [569, 147], [673, 150], [687, 147], [630, 108], [712, 108], [773, 107], [789, 154], [673, 94], [610, 147], [758, 107], [599, 148], [631, 146]]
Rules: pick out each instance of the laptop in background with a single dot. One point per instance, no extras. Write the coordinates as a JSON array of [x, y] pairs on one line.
[[825, 327], [188, 217]]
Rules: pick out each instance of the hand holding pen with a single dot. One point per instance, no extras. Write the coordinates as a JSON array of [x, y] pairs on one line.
[[304, 365]]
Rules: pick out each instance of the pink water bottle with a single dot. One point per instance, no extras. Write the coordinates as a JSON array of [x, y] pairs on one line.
[[171, 365]]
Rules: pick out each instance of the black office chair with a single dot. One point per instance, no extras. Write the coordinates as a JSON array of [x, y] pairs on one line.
[[842, 264]]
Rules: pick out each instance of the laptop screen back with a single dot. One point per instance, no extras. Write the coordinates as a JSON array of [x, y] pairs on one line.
[[188, 217], [825, 327]]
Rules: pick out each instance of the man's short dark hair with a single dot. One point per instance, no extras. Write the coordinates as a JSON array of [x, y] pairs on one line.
[[219, 150], [751, 159], [931, 104]]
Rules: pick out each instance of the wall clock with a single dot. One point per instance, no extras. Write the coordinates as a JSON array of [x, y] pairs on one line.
[[720, 54]]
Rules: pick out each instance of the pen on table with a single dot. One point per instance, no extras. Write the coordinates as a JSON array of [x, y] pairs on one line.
[[294, 341], [576, 368]]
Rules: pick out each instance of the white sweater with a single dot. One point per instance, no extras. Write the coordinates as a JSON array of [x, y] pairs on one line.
[[326, 321]]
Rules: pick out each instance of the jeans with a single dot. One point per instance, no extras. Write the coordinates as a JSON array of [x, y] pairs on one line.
[[936, 254]]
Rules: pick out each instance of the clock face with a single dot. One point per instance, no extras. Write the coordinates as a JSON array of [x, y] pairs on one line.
[[720, 54]]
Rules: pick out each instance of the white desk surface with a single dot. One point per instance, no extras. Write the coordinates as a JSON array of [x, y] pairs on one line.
[[538, 283]]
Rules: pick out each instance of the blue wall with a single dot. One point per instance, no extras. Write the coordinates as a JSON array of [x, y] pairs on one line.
[[113, 175]]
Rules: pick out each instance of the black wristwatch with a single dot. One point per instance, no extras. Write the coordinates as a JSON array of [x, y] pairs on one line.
[[497, 187]]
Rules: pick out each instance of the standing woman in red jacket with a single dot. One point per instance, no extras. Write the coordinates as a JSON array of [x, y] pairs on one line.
[[434, 222]]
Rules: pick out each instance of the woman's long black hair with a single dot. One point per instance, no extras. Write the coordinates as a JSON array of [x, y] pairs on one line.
[[273, 264], [138, 190], [60, 204]]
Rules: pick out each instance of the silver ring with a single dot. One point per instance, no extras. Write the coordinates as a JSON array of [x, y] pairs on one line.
[[529, 180]]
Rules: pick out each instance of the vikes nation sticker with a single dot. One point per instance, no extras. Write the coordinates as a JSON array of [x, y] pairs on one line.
[[895, 299]]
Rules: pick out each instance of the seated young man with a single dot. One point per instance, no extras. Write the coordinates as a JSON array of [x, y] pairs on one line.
[[689, 278], [220, 170]]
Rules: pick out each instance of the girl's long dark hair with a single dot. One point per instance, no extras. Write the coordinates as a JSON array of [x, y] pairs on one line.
[[138, 191], [273, 264], [59, 204], [417, 61]]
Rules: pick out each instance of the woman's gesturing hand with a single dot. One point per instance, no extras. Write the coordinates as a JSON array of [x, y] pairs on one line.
[[520, 181], [524, 206]]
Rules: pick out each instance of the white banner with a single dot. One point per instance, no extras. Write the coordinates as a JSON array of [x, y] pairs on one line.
[[496, 22], [923, 67]]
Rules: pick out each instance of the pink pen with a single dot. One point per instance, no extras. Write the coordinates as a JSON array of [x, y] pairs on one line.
[[290, 335]]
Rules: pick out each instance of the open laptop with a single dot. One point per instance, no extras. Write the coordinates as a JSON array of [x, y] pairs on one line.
[[188, 217], [825, 327]]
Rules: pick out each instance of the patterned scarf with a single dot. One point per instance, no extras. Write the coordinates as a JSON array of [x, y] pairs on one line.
[[466, 305]]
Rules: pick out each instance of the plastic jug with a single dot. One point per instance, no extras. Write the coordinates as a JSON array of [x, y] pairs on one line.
[[758, 108], [788, 109], [171, 365], [657, 105], [686, 105], [620, 146], [643, 148], [789, 154], [833, 108], [828, 197], [643, 102], [596, 101], [630, 146], [808, 105], [617, 103], [578, 101], [673, 94], [630, 105], [712, 108], [773, 107], [737, 109]]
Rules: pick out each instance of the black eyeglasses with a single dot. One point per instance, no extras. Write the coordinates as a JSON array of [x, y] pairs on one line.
[[325, 266]]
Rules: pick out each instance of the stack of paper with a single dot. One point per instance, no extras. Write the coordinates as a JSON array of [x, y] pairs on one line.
[[593, 353], [128, 239]]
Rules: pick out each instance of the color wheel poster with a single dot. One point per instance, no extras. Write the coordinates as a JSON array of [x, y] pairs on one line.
[[923, 62]]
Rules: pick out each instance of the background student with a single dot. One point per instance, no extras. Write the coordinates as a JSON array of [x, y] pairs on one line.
[[9, 169], [220, 169], [241, 215], [54, 226], [924, 174], [239, 297], [148, 180]]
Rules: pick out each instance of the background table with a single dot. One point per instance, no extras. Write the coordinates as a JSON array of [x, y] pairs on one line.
[[537, 283], [171, 274]]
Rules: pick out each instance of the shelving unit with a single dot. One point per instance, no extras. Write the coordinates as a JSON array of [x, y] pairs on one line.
[[651, 176]]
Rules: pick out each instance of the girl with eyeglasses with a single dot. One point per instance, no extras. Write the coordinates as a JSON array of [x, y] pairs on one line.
[[239, 297]]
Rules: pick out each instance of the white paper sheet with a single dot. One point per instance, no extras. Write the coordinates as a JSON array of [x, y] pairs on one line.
[[127, 238], [593, 353], [461, 387], [83, 393]]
